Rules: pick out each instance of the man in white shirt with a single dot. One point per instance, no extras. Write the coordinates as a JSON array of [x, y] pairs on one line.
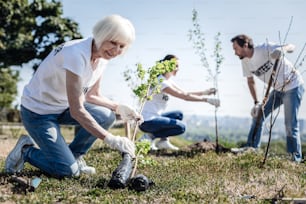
[[287, 86]]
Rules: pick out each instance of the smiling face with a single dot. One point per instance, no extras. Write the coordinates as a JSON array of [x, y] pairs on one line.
[[112, 36], [108, 50]]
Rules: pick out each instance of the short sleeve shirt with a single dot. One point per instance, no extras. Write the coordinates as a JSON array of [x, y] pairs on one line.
[[261, 65], [46, 92], [159, 102]]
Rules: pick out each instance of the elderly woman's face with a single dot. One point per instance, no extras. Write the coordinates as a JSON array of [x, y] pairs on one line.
[[111, 49]]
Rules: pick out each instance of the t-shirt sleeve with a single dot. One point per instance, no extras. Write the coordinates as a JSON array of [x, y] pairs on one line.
[[72, 60], [245, 69], [75, 63], [273, 46], [165, 83]]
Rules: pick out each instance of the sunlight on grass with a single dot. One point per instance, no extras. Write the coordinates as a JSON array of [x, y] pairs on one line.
[[197, 178]]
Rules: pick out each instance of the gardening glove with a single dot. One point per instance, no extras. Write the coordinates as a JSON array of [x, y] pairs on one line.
[[255, 110], [213, 101], [128, 113], [123, 144], [210, 91], [290, 48]]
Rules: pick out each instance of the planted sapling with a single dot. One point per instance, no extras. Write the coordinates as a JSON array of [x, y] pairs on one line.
[[144, 84]]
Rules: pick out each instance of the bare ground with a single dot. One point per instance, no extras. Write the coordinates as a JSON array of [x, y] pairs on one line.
[[6, 145]]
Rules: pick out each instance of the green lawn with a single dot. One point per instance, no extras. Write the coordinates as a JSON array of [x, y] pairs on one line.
[[178, 177]]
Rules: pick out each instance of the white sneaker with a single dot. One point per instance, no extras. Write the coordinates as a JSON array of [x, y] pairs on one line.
[[153, 145], [165, 144], [84, 168], [14, 161], [148, 137]]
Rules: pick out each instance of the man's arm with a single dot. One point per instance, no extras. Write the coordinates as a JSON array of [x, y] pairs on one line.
[[252, 88], [277, 53]]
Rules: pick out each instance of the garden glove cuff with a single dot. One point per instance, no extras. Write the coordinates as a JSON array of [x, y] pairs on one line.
[[213, 101], [210, 91], [128, 113], [123, 144]]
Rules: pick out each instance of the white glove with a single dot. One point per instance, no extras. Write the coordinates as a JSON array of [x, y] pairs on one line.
[[128, 113], [290, 48], [210, 91], [213, 101], [276, 54], [255, 110], [123, 144]]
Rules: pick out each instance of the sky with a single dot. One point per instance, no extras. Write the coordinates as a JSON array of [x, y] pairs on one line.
[[162, 28]]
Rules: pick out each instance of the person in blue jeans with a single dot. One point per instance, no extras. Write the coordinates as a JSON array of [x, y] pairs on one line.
[[287, 86], [65, 89], [158, 123]]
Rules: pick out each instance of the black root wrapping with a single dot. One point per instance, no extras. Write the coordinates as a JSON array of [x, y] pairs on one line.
[[122, 173], [140, 183]]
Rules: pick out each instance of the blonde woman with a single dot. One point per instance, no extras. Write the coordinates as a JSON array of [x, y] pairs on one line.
[[65, 90]]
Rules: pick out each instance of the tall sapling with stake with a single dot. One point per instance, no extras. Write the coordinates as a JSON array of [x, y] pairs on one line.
[[198, 39]]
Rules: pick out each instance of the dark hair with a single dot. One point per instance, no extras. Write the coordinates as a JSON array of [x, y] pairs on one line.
[[242, 40], [168, 57]]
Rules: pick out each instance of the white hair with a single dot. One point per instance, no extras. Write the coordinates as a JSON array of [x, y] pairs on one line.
[[114, 28]]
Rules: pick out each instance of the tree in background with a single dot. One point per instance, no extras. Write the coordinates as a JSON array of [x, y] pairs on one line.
[[198, 40], [28, 32]]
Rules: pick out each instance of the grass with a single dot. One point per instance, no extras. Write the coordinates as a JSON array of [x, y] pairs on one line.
[[179, 178]]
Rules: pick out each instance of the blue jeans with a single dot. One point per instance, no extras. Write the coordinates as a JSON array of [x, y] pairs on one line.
[[168, 124], [54, 156], [292, 101]]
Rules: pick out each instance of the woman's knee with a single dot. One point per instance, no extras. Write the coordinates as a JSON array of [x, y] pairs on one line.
[[104, 116], [180, 116], [61, 170], [109, 121], [183, 128]]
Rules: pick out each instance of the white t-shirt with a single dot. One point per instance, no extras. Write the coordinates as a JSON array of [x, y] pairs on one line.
[[158, 104], [46, 92], [261, 65]]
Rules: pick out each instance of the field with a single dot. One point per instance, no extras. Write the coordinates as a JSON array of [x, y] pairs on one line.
[[187, 176]]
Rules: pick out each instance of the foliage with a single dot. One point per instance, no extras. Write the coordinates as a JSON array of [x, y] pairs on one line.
[[145, 83], [30, 29], [8, 87], [198, 40], [28, 32], [143, 148]]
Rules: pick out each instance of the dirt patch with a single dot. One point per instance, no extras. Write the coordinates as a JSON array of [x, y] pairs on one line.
[[192, 150], [6, 145], [206, 146]]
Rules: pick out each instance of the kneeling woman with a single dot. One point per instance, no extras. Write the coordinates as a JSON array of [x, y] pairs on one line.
[[160, 124]]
